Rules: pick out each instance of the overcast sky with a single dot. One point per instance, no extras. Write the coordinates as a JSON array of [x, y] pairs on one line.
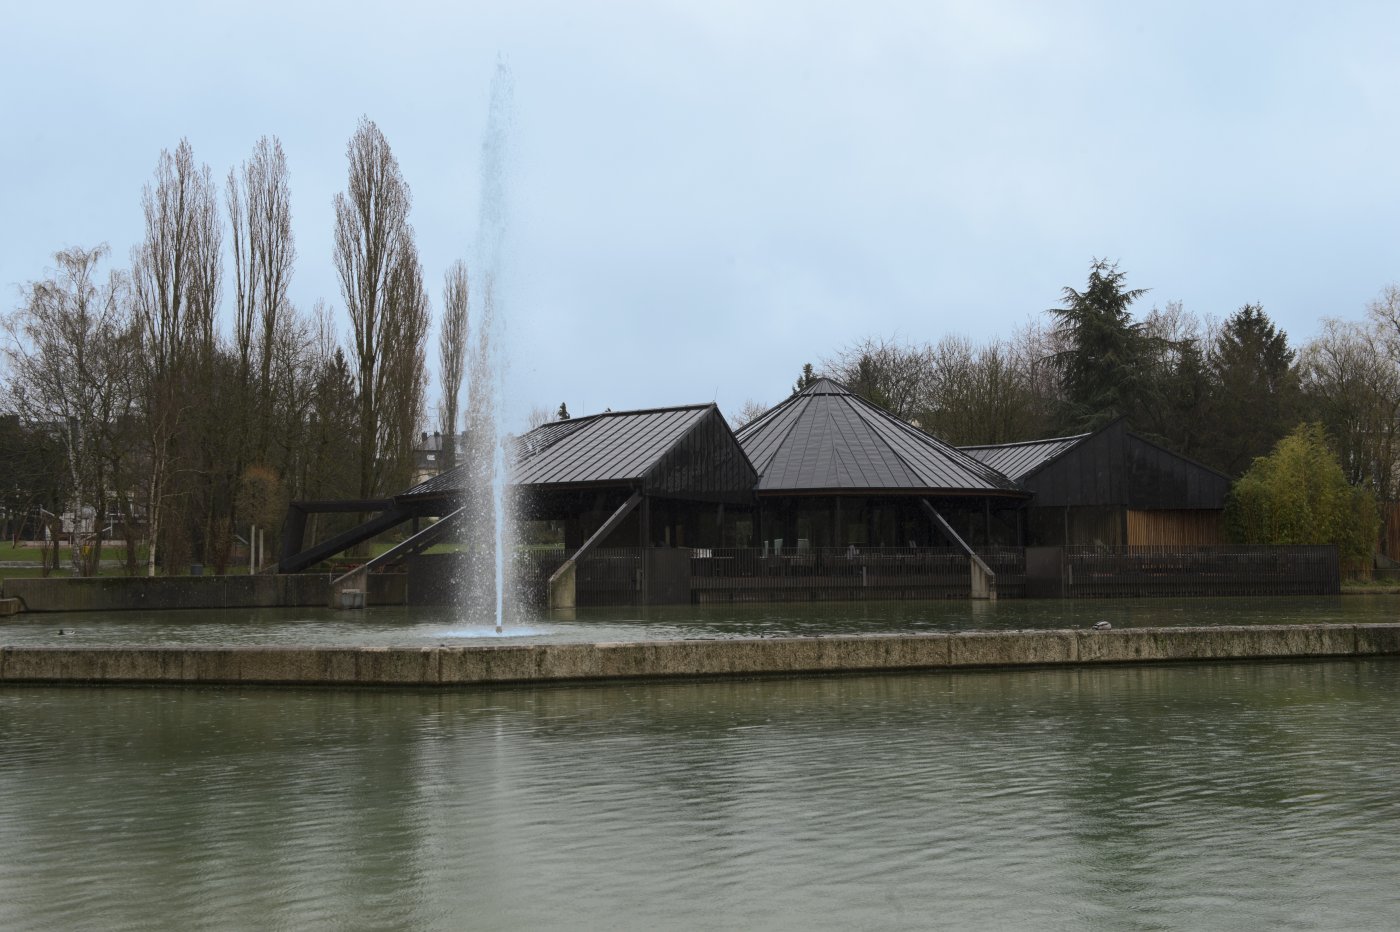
[[706, 195]]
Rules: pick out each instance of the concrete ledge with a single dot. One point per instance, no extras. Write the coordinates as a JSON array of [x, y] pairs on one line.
[[1255, 642], [1011, 648], [573, 663], [121, 593]]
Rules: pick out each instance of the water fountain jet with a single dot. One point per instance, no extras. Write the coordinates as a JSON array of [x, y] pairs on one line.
[[489, 525]]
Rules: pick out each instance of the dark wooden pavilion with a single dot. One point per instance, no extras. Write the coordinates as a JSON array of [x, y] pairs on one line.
[[656, 480], [838, 471], [824, 496], [1112, 487]]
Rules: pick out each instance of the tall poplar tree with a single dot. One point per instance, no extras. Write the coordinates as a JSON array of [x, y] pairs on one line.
[[377, 280]]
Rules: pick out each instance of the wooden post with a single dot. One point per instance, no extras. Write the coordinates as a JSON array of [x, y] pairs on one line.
[[646, 545]]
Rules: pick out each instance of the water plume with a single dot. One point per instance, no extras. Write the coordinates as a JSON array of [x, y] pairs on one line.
[[489, 533]]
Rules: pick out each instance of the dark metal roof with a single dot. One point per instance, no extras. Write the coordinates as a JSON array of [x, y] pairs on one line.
[[826, 438], [618, 446], [654, 448], [444, 483], [1019, 460], [1111, 466]]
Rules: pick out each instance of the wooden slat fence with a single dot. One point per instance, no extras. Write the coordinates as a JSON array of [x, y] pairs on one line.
[[1009, 564], [730, 574], [613, 576], [1107, 572]]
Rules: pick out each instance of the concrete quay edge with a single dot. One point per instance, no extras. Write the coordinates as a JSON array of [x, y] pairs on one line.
[[683, 659]]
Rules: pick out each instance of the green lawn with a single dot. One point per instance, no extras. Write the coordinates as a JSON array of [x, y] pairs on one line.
[[10, 553]]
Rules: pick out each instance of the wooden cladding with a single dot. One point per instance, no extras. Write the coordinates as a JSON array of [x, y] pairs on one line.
[[1175, 528]]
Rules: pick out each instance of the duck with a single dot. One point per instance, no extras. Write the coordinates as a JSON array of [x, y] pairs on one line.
[[1102, 626]]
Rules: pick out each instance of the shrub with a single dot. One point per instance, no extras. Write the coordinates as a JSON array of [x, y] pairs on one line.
[[1298, 494]]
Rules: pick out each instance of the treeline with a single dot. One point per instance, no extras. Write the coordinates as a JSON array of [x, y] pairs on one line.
[[1223, 392], [183, 398]]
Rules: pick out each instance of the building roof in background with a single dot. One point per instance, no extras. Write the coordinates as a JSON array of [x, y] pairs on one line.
[[1019, 460], [1110, 466], [826, 438], [615, 448]]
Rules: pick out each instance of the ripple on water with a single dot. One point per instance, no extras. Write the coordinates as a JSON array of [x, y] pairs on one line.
[[1104, 798]]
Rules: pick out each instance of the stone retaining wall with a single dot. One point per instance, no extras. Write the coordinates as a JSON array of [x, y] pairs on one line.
[[572, 663], [120, 593]]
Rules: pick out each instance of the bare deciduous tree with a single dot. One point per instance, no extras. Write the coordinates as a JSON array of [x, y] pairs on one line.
[[452, 355], [750, 410], [259, 206], [175, 285], [402, 372], [887, 372], [68, 347], [1352, 385], [371, 230]]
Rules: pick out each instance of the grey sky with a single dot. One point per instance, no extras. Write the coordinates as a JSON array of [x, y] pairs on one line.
[[706, 195]]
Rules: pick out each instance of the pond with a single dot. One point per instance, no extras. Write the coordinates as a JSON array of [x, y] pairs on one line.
[[1219, 796], [417, 627]]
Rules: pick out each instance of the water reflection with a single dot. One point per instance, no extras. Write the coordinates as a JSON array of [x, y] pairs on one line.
[[1220, 796]]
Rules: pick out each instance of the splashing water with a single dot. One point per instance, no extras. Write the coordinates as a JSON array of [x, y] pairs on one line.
[[490, 527]]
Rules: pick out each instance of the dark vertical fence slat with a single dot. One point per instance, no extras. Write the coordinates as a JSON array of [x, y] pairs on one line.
[[1107, 572], [612, 576], [728, 574]]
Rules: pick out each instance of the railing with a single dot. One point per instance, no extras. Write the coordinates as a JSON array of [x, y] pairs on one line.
[[1098, 572], [610, 576], [605, 576], [727, 574], [615, 575], [1009, 565]]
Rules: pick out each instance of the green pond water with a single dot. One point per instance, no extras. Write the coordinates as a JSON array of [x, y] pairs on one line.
[[416, 627], [1214, 796]]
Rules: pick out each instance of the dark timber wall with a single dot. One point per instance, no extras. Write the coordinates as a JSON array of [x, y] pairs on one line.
[[1114, 467]]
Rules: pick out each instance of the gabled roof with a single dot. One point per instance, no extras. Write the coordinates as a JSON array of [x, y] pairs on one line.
[[616, 446], [1109, 466], [1019, 460], [655, 448], [826, 438]]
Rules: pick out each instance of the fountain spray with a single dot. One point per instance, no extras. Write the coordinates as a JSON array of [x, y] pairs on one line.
[[487, 484]]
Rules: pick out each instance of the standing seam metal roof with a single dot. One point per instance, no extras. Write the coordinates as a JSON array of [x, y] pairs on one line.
[[612, 447], [827, 438], [1019, 460]]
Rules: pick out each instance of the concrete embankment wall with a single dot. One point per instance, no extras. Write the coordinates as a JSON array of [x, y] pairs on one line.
[[121, 593], [573, 663]]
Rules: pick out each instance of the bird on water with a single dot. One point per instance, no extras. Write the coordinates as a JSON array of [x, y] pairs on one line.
[[1102, 626]]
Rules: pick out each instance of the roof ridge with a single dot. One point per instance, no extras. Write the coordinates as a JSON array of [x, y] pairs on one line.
[[908, 467], [1022, 443], [779, 441], [966, 461], [844, 389]]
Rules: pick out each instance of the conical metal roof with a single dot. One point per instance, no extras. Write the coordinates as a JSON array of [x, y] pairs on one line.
[[827, 438]]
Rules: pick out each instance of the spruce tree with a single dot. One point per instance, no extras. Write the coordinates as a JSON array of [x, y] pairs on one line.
[[1254, 393]]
